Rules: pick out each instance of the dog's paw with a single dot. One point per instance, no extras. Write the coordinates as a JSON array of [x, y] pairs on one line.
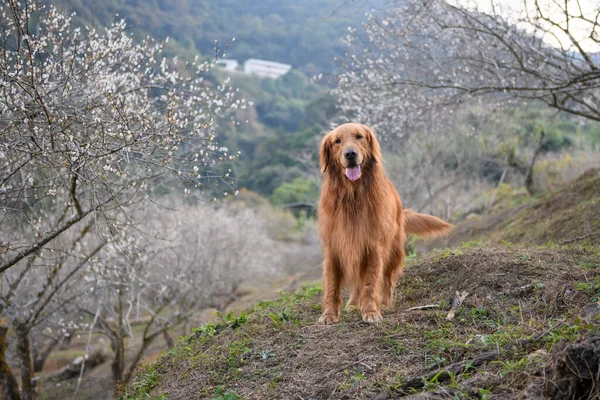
[[371, 317], [328, 319]]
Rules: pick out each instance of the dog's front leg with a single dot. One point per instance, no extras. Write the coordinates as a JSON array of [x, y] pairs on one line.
[[332, 286], [372, 275]]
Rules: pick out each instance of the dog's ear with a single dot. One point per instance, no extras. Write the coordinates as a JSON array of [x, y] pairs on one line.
[[325, 153], [373, 144]]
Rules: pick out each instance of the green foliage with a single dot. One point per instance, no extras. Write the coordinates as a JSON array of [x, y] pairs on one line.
[[555, 141], [222, 394], [298, 190], [290, 112], [511, 136], [592, 288], [237, 350], [145, 381], [511, 367], [396, 346], [593, 135], [208, 330], [282, 316], [355, 377], [285, 103], [289, 299]]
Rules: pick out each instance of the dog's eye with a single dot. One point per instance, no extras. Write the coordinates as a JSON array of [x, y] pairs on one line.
[[338, 141], [359, 136]]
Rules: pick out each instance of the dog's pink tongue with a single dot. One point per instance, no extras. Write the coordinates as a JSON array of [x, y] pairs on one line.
[[353, 173]]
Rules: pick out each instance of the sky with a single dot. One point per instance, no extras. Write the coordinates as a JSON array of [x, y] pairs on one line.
[[517, 10]]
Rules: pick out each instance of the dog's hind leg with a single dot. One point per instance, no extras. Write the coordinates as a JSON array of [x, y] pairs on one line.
[[354, 300]]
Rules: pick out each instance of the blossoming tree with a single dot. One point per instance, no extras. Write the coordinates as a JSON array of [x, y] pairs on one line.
[[93, 126], [420, 65]]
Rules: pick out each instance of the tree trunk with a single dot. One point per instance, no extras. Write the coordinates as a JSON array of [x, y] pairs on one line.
[[147, 341], [24, 355], [529, 182], [118, 363], [66, 340], [168, 339], [489, 208], [8, 383], [39, 358]]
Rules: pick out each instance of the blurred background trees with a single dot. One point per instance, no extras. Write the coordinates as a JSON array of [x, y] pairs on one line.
[[92, 122]]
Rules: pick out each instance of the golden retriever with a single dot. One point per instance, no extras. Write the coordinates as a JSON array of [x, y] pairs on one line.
[[362, 224]]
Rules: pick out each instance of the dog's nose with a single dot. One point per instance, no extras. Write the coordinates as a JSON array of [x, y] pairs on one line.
[[350, 154]]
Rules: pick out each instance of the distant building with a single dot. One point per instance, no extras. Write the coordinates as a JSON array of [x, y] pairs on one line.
[[228, 64], [265, 69]]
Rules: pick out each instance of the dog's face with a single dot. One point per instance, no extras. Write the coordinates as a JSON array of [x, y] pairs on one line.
[[348, 148]]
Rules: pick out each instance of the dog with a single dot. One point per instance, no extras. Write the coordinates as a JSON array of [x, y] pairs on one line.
[[362, 224]]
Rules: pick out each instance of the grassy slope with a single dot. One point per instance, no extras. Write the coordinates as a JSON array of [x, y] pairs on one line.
[[524, 305], [571, 212]]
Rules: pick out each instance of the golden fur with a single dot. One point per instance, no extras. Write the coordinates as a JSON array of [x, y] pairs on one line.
[[362, 225]]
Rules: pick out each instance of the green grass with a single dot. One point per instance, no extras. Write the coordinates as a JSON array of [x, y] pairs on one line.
[[145, 380]]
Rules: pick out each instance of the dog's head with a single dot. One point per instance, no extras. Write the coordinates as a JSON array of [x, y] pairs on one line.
[[349, 148]]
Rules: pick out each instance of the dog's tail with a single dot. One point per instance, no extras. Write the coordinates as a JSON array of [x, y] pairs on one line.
[[425, 225]]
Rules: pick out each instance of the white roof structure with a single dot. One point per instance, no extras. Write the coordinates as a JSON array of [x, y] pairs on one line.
[[228, 64], [266, 69]]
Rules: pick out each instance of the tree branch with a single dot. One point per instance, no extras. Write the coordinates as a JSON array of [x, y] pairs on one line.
[[41, 243]]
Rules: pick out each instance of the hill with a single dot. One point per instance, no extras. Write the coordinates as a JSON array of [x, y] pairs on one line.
[[522, 303], [527, 327], [569, 214], [304, 34]]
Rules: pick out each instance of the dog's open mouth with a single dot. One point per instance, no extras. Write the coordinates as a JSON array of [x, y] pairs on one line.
[[353, 173]]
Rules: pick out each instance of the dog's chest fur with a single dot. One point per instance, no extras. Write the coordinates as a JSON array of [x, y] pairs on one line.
[[360, 222]]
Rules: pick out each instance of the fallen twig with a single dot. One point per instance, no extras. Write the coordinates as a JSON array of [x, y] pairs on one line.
[[444, 374], [456, 303], [578, 238], [426, 307]]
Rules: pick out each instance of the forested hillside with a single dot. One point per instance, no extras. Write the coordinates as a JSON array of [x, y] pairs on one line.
[[304, 34]]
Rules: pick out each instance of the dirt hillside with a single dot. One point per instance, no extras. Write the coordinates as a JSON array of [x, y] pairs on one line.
[[527, 328], [521, 305]]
